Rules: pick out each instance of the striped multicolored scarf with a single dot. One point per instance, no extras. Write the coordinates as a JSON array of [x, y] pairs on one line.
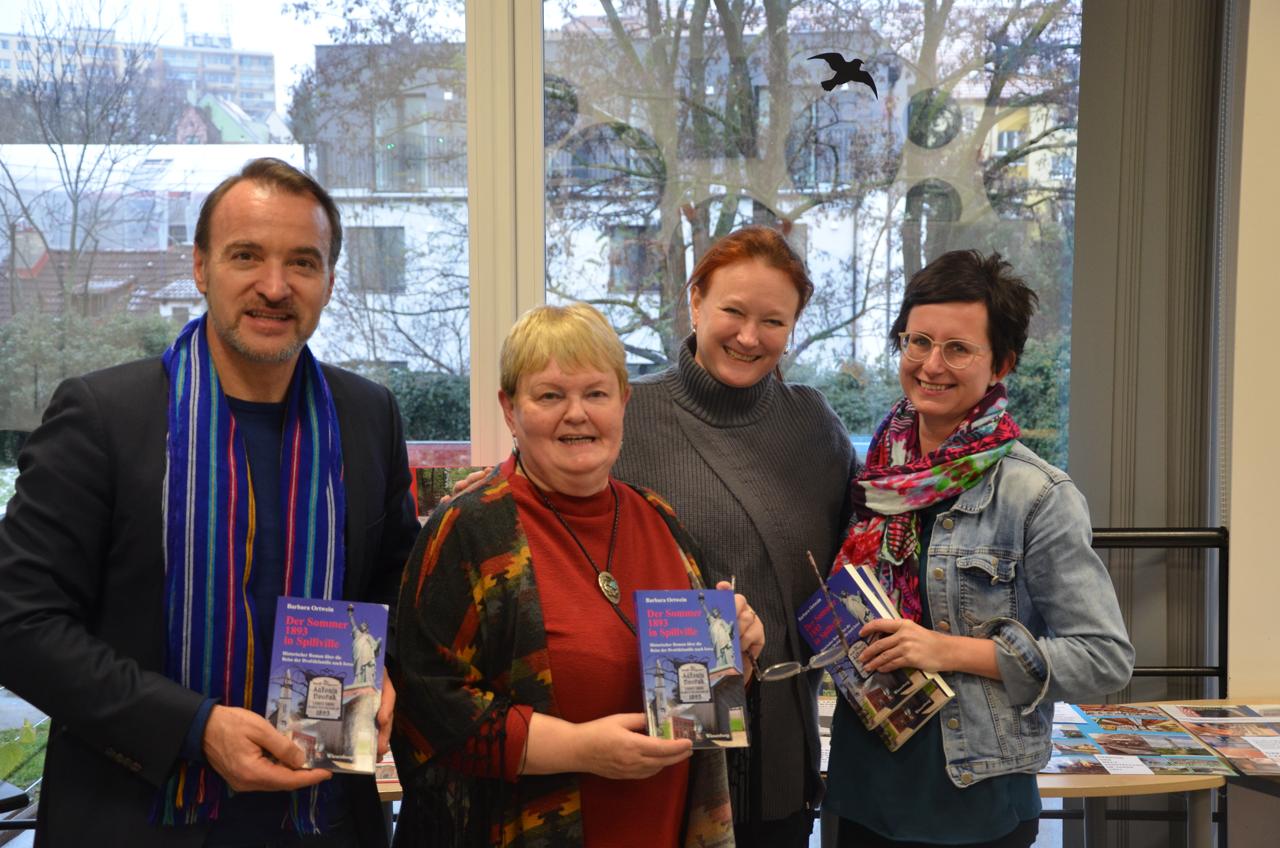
[[208, 543], [897, 481]]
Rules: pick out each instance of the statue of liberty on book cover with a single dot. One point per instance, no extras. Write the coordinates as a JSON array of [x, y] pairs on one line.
[[691, 659], [326, 680]]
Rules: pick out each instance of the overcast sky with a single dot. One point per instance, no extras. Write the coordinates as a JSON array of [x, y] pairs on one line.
[[252, 25]]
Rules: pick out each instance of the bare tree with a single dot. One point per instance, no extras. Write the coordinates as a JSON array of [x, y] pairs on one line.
[[85, 114], [410, 304], [86, 111], [670, 123], [383, 117], [703, 115], [720, 95]]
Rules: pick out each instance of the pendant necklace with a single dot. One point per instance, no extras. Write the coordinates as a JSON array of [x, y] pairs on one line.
[[604, 579]]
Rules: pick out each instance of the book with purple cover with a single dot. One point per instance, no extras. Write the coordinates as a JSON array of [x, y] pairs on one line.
[[326, 680], [896, 703], [691, 666]]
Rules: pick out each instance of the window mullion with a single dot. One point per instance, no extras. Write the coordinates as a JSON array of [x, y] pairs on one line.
[[504, 179]]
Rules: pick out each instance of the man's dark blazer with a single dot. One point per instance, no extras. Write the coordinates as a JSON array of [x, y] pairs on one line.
[[82, 592]]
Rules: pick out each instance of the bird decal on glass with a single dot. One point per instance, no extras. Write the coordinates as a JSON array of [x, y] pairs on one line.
[[846, 72]]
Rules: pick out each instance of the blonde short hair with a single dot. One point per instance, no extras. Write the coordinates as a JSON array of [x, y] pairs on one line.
[[575, 336]]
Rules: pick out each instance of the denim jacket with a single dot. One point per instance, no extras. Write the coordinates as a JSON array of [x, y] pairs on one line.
[[1011, 561]]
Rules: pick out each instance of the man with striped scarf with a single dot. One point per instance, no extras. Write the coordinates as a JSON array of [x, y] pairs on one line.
[[162, 507]]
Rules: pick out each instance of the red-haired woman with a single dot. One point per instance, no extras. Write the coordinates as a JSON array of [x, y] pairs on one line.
[[758, 471]]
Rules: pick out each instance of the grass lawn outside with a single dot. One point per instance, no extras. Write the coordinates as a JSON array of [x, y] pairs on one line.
[[22, 753]]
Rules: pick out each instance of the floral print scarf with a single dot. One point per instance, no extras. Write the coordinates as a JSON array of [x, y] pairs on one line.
[[897, 481]]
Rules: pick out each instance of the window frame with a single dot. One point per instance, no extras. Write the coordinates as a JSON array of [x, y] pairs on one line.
[[506, 230]]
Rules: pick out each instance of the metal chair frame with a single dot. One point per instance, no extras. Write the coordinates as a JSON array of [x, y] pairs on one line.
[[1208, 538]]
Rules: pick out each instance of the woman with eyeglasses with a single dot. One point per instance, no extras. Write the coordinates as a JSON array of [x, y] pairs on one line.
[[985, 548], [758, 471]]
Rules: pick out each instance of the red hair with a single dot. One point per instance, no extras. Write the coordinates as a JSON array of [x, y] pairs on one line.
[[758, 242]]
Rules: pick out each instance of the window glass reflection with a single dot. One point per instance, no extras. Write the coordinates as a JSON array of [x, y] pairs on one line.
[[688, 125], [120, 118]]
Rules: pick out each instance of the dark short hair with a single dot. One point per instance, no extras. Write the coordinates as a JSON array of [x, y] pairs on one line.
[[754, 242], [278, 174], [966, 276]]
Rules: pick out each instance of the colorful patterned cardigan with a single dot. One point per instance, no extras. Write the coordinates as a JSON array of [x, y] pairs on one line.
[[469, 644]]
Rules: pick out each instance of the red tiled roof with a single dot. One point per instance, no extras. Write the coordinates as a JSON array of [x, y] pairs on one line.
[[128, 277]]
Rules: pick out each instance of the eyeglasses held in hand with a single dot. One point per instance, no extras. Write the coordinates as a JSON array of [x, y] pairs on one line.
[[783, 670], [957, 353], [829, 655]]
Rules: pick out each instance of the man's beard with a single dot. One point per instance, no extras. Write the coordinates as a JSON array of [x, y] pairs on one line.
[[231, 335]]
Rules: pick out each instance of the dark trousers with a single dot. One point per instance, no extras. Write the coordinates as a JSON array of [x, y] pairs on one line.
[[341, 834], [854, 835], [791, 832], [329, 840]]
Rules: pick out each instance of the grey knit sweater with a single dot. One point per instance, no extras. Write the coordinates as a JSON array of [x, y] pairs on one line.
[[758, 476]]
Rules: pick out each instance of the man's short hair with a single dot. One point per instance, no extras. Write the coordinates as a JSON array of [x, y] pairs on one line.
[[278, 174]]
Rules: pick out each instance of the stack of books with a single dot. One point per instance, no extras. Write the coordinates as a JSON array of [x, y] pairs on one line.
[[895, 704]]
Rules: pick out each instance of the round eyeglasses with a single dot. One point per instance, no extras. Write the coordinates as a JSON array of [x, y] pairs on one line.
[[957, 353], [832, 654]]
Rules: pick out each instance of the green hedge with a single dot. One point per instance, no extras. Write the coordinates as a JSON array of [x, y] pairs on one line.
[[22, 753], [1038, 393], [434, 406]]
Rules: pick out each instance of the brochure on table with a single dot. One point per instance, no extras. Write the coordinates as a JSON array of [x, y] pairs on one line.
[[1126, 739], [1247, 735], [384, 771]]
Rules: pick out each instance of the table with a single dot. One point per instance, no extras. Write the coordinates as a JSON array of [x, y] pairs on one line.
[[12, 798], [1095, 789], [389, 792]]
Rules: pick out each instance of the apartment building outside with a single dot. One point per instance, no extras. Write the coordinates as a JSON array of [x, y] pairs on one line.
[[202, 64]]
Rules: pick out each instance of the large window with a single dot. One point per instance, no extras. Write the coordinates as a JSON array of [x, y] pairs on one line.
[[666, 130], [111, 142], [120, 117]]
